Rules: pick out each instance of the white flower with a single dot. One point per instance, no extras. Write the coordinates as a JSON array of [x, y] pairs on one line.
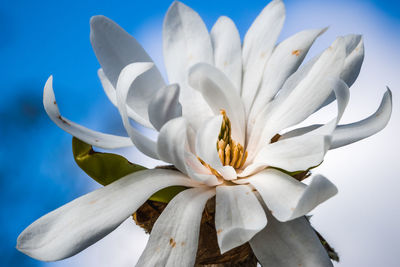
[[218, 122]]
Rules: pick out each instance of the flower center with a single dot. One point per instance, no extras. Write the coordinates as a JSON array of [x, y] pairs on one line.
[[230, 152]]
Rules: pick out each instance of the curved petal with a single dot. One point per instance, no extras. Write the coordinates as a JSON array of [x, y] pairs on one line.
[[351, 67], [294, 154], [251, 169], [227, 47], [292, 106], [346, 134], [172, 143], [290, 244], [126, 79], [82, 222], [175, 235], [342, 94], [173, 147], [112, 96], [219, 93], [91, 137], [206, 141], [285, 60], [353, 132], [288, 198], [107, 87], [313, 88], [350, 70], [115, 49], [295, 151], [352, 64], [165, 106], [258, 45], [354, 58], [186, 42], [238, 216]]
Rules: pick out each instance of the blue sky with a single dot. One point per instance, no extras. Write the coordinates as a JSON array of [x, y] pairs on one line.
[[39, 38]]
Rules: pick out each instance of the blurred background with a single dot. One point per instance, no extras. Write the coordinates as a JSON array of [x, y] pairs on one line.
[[37, 171]]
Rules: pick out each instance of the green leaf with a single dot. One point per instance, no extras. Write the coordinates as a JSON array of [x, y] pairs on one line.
[[165, 195], [106, 168], [299, 175]]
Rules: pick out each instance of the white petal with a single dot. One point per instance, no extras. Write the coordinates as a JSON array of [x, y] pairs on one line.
[[354, 58], [107, 87], [91, 137], [227, 47], [206, 141], [349, 133], [293, 105], [352, 64], [115, 49], [250, 169], [295, 151], [353, 132], [173, 147], [289, 244], [175, 235], [126, 79], [300, 131], [82, 222], [295, 154], [313, 88], [351, 67], [288, 198], [284, 61], [341, 94], [219, 93], [112, 96], [258, 45], [172, 143], [238, 216], [165, 106], [186, 42]]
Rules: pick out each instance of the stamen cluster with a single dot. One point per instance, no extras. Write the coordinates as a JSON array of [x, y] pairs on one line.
[[230, 152]]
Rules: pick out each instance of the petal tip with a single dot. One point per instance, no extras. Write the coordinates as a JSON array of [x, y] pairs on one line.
[[323, 30], [21, 245], [48, 88], [96, 18], [176, 4], [224, 19], [388, 91], [96, 21]]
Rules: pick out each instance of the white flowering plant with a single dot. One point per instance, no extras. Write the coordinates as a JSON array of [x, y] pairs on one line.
[[226, 123]]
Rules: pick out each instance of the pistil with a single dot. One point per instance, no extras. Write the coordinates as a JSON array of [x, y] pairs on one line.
[[230, 152]]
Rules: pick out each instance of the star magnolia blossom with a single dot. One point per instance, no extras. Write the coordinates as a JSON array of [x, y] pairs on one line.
[[222, 122]]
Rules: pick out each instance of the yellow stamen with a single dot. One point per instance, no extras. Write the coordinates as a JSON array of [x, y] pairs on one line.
[[243, 160], [213, 171], [221, 154], [235, 156], [238, 163], [227, 155]]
